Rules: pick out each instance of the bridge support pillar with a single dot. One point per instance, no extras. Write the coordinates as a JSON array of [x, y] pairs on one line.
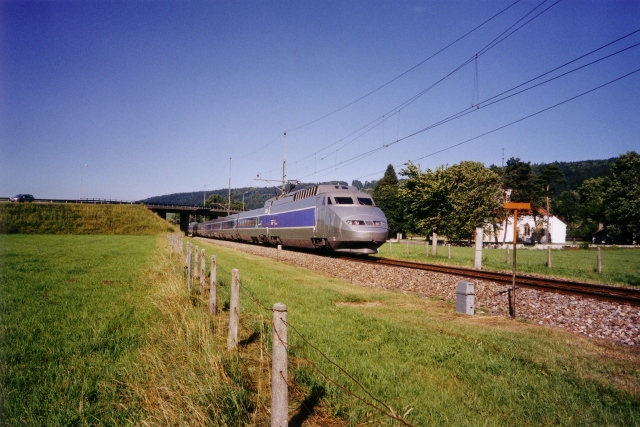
[[162, 214], [184, 223]]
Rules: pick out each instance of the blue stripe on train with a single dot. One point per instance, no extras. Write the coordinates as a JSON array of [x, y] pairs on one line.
[[301, 218]]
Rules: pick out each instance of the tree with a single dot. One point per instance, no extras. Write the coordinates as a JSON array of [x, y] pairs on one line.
[[549, 177], [357, 184], [385, 195], [216, 200], [519, 177], [567, 206], [592, 194], [453, 201], [425, 199], [476, 198], [622, 199]]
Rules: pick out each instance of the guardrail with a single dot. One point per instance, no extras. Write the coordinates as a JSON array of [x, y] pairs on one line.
[[129, 202]]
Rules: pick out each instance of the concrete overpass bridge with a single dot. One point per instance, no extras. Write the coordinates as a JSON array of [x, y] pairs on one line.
[[210, 213]]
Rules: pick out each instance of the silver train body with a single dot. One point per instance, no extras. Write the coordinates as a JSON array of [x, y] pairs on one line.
[[335, 217]]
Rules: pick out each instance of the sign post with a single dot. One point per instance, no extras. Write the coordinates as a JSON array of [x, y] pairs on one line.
[[515, 207]]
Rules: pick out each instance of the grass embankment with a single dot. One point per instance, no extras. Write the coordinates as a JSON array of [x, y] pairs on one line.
[[619, 265], [45, 218]]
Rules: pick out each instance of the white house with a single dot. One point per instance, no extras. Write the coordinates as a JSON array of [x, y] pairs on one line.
[[527, 226]]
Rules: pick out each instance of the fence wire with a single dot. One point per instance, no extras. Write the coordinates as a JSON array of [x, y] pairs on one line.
[[381, 406]]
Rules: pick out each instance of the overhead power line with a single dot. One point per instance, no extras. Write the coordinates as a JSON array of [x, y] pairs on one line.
[[486, 102], [397, 109], [508, 124], [390, 81]]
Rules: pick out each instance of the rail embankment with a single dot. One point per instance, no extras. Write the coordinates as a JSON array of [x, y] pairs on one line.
[[36, 218]]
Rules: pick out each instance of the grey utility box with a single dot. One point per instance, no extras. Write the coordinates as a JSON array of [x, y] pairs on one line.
[[465, 296]]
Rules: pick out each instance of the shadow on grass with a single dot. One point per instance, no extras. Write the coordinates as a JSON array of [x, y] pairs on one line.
[[250, 339], [307, 406]]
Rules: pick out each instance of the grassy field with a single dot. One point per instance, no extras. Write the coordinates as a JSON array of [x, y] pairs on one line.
[[619, 265], [100, 330], [74, 311]]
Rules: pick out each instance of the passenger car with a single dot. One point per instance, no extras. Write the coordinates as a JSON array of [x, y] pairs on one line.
[[22, 198]]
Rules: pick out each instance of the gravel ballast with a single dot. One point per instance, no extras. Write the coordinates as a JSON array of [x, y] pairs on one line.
[[619, 323]]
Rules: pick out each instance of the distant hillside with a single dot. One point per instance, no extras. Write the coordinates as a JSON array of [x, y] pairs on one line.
[[575, 173], [254, 197]]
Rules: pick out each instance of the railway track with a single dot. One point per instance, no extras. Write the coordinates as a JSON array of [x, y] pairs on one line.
[[602, 292]]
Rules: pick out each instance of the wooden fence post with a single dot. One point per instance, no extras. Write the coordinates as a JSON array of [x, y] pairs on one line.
[[196, 272], [449, 249], [279, 372], [598, 260], [189, 268], [203, 270], [213, 290], [234, 310], [187, 252], [426, 247], [548, 257]]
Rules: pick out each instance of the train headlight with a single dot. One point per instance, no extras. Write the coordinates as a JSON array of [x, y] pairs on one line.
[[378, 223], [355, 222]]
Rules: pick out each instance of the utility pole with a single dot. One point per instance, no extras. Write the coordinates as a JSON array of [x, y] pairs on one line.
[[547, 229], [284, 163], [229, 193]]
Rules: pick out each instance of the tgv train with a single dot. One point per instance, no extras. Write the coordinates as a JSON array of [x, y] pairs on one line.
[[335, 217]]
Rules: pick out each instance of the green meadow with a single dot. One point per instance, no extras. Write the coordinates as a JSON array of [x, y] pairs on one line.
[[620, 266], [74, 311]]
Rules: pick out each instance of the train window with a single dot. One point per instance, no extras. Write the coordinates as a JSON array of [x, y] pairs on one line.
[[367, 201], [343, 200], [329, 201]]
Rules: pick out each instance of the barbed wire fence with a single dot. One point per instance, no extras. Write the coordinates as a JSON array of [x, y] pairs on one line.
[[255, 322]]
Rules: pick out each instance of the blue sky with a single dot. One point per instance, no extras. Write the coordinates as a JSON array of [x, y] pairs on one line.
[[156, 96]]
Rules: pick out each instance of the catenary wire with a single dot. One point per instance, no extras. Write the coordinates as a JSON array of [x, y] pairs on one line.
[[508, 124], [397, 109]]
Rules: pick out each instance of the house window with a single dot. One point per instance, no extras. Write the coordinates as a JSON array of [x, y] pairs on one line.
[[527, 230]]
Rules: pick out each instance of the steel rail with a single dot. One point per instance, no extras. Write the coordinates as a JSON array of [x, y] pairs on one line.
[[617, 294]]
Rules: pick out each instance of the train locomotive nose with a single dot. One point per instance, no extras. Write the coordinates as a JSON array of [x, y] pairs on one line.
[[362, 233]]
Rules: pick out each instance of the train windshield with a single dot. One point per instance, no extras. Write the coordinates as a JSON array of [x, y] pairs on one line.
[[367, 201], [343, 200]]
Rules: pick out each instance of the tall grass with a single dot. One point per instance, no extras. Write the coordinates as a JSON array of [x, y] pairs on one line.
[[186, 376], [619, 265], [40, 218]]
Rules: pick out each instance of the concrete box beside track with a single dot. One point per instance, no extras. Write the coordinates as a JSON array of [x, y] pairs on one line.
[[465, 296]]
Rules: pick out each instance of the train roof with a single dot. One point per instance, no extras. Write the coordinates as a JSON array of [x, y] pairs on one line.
[[313, 191]]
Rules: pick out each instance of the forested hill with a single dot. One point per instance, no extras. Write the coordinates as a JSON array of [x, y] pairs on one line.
[[254, 197], [575, 173]]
